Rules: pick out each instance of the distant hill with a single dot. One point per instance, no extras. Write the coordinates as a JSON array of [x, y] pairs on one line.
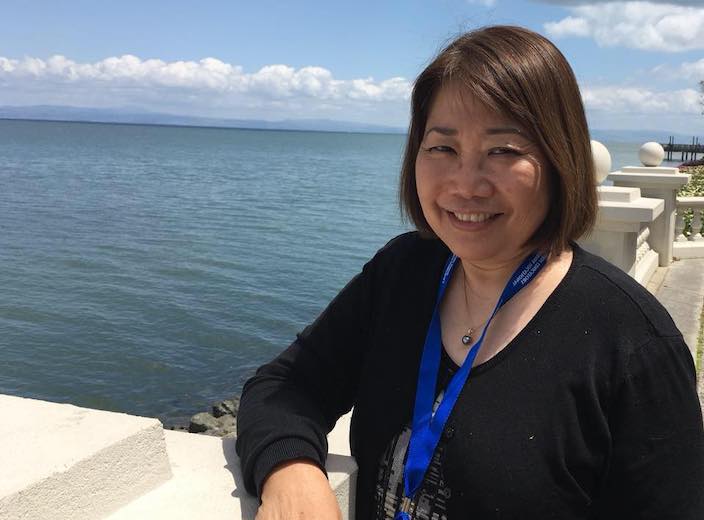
[[117, 115], [110, 115]]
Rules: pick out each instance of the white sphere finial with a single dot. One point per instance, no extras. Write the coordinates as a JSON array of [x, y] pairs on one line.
[[651, 154], [602, 161]]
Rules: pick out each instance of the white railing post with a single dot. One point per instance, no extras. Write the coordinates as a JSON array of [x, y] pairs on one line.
[[679, 226], [697, 225], [621, 232], [661, 183]]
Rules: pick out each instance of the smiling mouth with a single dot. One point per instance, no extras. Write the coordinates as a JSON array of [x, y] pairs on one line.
[[474, 217]]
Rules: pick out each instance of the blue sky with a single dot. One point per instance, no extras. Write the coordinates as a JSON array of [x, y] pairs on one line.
[[638, 63]]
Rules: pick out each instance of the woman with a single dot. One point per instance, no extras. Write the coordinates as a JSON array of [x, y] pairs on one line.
[[572, 397]]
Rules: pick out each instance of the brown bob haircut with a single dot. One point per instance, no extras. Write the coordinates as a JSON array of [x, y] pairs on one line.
[[522, 75]]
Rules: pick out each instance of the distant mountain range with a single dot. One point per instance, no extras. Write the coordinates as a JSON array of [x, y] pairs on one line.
[[116, 115], [109, 115]]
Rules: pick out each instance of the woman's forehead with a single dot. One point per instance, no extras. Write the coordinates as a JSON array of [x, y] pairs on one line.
[[455, 107]]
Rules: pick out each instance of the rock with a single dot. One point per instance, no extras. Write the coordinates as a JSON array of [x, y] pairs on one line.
[[176, 427], [205, 423], [227, 424], [226, 407], [202, 422]]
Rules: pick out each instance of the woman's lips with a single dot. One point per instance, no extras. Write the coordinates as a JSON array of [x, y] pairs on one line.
[[473, 217], [472, 220]]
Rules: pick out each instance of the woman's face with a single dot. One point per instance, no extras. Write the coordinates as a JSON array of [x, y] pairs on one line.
[[482, 182]]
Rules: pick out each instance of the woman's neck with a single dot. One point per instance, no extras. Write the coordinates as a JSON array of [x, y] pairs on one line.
[[486, 281]]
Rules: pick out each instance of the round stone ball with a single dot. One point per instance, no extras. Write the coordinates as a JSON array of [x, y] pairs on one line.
[[602, 161], [651, 154]]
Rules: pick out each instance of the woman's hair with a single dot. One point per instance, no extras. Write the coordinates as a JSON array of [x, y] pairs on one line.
[[522, 75]]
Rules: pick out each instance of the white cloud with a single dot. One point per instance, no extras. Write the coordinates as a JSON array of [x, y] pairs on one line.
[[210, 87], [640, 25], [585, 2], [638, 100], [208, 83], [688, 70], [485, 3]]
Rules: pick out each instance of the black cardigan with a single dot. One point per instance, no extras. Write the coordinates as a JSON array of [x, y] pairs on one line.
[[590, 412]]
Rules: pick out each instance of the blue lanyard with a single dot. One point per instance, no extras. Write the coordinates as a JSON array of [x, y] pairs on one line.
[[426, 427]]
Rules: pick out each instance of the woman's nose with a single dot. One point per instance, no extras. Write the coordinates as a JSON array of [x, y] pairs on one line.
[[471, 178]]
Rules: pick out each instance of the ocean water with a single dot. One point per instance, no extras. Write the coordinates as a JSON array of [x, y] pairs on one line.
[[150, 269]]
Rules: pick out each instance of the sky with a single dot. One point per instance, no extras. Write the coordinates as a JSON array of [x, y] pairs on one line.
[[638, 63]]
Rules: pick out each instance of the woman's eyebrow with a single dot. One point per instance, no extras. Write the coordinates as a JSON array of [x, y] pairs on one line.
[[504, 130], [441, 130]]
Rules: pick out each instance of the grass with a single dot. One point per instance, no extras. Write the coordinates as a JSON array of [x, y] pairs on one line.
[[695, 188], [699, 359], [700, 343]]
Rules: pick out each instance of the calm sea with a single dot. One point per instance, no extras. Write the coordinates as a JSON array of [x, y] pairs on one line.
[[151, 269]]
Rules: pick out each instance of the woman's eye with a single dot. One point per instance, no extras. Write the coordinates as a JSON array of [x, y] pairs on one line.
[[440, 149], [504, 150]]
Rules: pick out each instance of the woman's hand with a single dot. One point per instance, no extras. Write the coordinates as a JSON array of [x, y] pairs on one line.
[[298, 490]]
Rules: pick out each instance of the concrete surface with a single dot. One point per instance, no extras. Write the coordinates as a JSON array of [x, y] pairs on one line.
[[207, 482], [60, 461], [680, 288]]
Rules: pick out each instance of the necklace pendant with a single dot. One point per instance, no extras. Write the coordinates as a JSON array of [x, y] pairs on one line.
[[466, 339]]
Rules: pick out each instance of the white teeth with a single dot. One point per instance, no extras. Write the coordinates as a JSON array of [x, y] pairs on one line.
[[473, 217]]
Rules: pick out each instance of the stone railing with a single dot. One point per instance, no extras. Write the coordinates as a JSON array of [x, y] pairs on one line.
[[689, 242], [642, 224], [646, 257], [622, 231]]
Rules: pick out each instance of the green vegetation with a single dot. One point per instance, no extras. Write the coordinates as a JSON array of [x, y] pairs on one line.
[[699, 356], [695, 186]]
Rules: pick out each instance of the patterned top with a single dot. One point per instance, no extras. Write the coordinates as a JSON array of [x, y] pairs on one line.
[[430, 502]]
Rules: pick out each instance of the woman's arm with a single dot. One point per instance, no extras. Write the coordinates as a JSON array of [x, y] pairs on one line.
[[291, 403], [657, 462], [297, 489]]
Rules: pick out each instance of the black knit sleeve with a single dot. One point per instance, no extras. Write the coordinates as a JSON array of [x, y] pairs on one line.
[[291, 404], [657, 462]]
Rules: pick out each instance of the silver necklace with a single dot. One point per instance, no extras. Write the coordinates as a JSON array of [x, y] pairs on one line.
[[467, 337]]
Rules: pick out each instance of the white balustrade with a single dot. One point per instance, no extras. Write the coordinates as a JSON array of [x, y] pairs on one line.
[[623, 228], [688, 240], [642, 246]]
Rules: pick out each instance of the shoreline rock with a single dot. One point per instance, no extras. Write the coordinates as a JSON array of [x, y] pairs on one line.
[[220, 421]]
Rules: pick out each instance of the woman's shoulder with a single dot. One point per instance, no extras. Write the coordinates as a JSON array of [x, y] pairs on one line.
[[617, 297], [408, 262], [412, 248]]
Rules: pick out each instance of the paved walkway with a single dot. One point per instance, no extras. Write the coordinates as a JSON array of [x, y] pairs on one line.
[[680, 288]]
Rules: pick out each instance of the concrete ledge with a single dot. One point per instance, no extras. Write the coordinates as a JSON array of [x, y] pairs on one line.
[[641, 210], [681, 294], [684, 250], [646, 267], [207, 481], [64, 462]]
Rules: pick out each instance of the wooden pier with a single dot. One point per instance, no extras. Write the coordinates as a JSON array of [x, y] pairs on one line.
[[688, 152]]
